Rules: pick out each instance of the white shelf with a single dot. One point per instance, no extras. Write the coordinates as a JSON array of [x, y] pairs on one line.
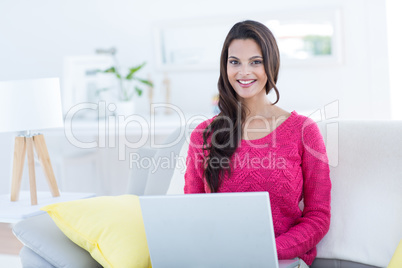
[[136, 125]]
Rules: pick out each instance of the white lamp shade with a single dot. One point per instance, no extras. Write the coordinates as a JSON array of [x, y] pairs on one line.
[[30, 105]]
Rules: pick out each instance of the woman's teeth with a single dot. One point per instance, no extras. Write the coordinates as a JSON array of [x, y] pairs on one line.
[[245, 82]]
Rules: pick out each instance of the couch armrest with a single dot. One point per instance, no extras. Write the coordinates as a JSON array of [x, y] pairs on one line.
[[41, 235], [29, 259]]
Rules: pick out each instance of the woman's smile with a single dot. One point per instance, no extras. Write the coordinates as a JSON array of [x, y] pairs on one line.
[[245, 69], [246, 82]]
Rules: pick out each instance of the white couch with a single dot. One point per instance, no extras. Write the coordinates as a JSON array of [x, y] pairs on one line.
[[366, 174]]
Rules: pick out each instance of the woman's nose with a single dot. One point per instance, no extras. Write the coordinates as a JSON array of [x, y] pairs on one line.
[[244, 70]]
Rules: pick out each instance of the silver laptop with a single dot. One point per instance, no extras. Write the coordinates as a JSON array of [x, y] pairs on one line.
[[211, 230]]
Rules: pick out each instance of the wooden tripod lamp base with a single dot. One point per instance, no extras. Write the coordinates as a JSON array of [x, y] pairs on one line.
[[25, 146]]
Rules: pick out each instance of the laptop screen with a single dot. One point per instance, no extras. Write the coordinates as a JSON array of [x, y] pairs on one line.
[[210, 230]]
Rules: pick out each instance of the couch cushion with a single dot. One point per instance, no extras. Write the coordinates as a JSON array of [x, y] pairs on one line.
[[176, 185], [331, 263], [139, 172], [396, 260], [29, 259], [366, 191], [41, 235], [164, 163], [110, 228]]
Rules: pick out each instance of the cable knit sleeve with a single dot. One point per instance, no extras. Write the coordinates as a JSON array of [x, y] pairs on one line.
[[305, 234], [194, 182]]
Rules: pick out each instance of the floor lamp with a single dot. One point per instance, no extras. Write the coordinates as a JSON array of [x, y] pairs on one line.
[[27, 106]]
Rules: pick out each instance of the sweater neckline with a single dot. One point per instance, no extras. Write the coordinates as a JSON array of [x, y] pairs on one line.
[[278, 128]]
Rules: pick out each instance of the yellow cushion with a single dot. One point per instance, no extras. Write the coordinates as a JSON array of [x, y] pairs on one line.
[[110, 228], [396, 260]]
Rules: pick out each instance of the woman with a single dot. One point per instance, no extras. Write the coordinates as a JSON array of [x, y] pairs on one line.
[[253, 145]]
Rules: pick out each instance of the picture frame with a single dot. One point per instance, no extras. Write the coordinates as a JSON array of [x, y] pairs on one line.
[[189, 45], [308, 37]]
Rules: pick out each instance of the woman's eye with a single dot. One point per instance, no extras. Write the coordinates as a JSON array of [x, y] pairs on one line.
[[256, 62], [234, 62]]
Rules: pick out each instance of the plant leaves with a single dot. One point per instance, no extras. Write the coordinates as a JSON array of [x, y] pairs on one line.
[[110, 70], [134, 70], [144, 81], [128, 93], [138, 90], [113, 70]]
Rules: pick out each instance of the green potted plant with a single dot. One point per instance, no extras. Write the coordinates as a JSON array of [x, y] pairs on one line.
[[128, 86]]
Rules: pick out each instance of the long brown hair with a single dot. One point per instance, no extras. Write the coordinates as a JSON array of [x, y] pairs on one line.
[[225, 130]]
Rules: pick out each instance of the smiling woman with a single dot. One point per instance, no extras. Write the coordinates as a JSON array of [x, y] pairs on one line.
[[245, 69], [228, 153]]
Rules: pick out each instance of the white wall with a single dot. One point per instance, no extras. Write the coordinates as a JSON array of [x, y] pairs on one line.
[[35, 35], [394, 22]]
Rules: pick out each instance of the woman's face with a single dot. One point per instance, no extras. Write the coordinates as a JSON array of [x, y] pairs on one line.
[[245, 69]]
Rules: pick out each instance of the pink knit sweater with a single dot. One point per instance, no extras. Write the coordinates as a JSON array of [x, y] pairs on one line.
[[291, 164]]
